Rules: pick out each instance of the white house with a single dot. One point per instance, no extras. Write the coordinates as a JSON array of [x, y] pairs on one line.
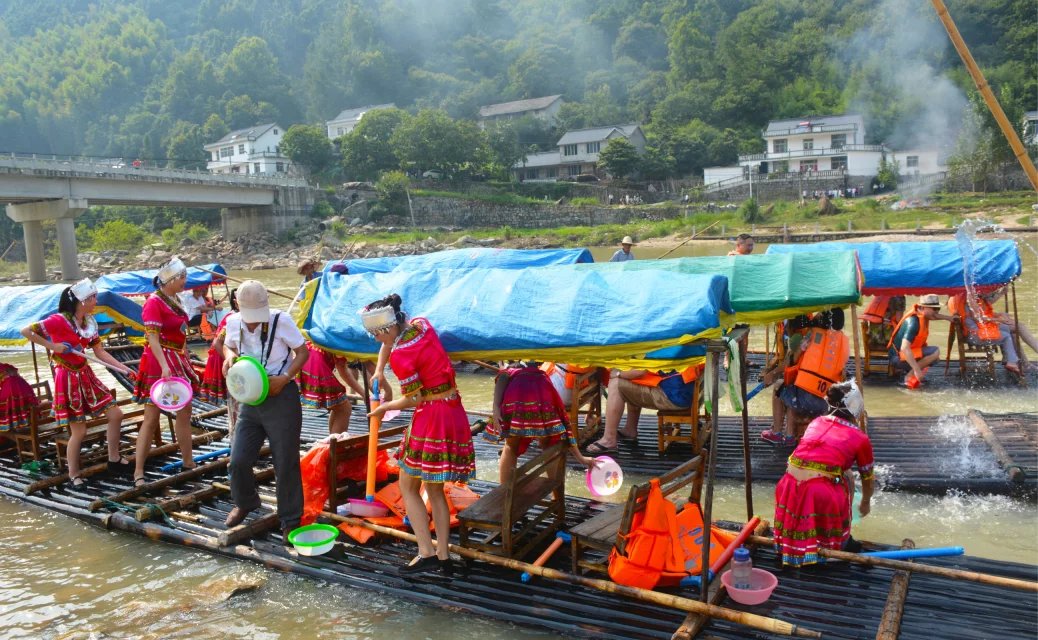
[[824, 146], [348, 119], [251, 151], [546, 108], [577, 153], [1030, 128]]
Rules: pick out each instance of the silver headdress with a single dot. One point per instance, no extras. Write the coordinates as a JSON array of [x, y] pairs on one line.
[[172, 270], [378, 320], [83, 289]]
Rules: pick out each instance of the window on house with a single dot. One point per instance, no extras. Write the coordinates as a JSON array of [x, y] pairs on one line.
[[256, 167], [574, 170], [594, 147], [809, 165], [216, 156], [241, 148], [338, 132], [275, 131], [912, 161], [839, 140], [569, 150], [552, 172], [780, 167], [226, 152], [779, 146], [809, 144], [279, 167], [839, 163], [531, 174]]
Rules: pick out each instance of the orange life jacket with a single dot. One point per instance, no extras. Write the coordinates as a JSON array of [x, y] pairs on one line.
[[654, 378], [877, 311], [823, 362], [986, 330], [920, 338], [572, 371], [664, 546]]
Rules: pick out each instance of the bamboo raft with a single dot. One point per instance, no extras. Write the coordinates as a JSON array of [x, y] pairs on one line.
[[839, 600]]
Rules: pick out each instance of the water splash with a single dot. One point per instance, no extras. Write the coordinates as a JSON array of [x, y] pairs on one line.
[[965, 461]]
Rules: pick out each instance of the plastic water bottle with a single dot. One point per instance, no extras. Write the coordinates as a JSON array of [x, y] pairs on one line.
[[742, 568]]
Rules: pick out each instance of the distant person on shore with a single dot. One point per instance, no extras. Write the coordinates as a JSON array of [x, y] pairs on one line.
[[308, 269], [743, 245], [623, 254], [78, 393], [909, 353]]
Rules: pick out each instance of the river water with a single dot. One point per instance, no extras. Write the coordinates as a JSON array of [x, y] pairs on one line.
[[64, 579]]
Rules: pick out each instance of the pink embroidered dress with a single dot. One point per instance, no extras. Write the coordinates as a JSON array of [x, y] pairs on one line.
[[213, 388], [16, 399], [318, 386], [816, 514], [531, 407], [78, 394], [164, 317], [438, 445]]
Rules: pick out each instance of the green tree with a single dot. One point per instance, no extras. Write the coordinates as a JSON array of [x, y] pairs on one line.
[[366, 151], [433, 140], [117, 234], [620, 158], [184, 148], [308, 146], [657, 163]]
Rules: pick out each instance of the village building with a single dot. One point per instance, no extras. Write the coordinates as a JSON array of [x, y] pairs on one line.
[[1030, 128], [348, 119], [822, 147], [546, 109], [576, 154], [249, 151]]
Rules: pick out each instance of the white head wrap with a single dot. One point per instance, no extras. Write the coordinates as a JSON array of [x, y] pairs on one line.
[[83, 289], [852, 398], [172, 270], [377, 320]]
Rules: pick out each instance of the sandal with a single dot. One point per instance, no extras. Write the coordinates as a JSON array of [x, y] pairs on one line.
[[1012, 367], [140, 482], [596, 449], [623, 437], [78, 482], [122, 466]]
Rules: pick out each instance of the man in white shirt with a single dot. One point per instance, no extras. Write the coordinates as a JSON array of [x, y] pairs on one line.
[[623, 254], [195, 304], [274, 340]]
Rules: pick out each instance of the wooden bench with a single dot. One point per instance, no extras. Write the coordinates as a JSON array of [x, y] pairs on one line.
[[669, 424], [540, 481], [611, 527], [349, 448], [97, 431], [968, 351]]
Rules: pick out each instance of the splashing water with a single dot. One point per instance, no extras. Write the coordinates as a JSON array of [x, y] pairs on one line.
[[968, 462]]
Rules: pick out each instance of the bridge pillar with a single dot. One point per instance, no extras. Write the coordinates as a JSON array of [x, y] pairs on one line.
[[63, 212]]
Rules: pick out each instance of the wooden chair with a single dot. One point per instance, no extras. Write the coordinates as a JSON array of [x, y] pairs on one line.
[[874, 350], [350, 448], [587, 390], [669, 424], [611, 527], [29, 441], [490, 524], [97, 431], [968, 351]]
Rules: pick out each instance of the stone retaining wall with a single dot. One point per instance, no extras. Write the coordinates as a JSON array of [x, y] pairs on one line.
[[453, 212]]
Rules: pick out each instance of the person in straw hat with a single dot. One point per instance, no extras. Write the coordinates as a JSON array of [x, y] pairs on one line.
[[909, 353], [165, 355], [623, 254], [78, 393]]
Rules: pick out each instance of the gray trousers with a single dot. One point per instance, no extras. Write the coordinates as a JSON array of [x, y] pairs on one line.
[[1005, 340], [279, 419]]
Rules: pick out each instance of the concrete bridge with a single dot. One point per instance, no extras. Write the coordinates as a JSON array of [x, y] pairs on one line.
[[39, 188]]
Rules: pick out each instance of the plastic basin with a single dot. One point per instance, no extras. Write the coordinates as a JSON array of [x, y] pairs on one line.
[[313, 539], [171, 394], [606, 479], [247, 381], [364, 509], [762, 583]]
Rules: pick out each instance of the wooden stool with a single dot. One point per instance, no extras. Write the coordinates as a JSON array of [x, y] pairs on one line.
[[669, 428]]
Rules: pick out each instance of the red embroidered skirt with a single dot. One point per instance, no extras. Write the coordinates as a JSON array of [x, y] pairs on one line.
[[530, 408], [78, 395], [809, 516], [213, 387], [318, 386], [438, 444], [150, 371], [16, 399]]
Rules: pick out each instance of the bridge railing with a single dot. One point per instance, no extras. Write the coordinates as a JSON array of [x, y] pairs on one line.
[[98, 168]]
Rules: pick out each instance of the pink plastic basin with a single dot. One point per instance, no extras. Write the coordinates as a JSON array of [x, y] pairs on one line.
[[762, 583], [362, 508]]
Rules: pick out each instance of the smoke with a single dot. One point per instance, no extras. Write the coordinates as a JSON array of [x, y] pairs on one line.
[[907, 103]]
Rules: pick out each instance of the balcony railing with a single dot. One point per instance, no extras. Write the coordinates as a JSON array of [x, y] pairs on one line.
[[810, 153], [815, 128], [791, 176]]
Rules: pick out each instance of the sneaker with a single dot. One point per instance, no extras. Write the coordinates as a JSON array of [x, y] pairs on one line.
[[773, 437]]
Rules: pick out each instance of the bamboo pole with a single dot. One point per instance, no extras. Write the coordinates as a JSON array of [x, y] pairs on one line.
[[890, 623], [172, 447], [763, 623], [690, 238], [856, 332], [168, 481], [746, 458], [149, 511], [276, 293], [1008, 130], [886, 563], [708, 503], [1015, 472], [247, 530], [694, 623]]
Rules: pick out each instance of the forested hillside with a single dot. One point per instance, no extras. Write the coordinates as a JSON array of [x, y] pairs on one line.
[[155, 79]]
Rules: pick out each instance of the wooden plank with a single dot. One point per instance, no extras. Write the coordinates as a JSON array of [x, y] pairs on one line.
[[247, 530], [1013, 470], [490, 508]]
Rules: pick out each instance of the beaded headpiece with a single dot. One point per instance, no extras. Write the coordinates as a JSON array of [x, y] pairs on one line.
[[379, 319], [172, 270]]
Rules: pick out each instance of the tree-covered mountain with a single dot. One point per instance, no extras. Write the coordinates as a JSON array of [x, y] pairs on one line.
[[156, 79]]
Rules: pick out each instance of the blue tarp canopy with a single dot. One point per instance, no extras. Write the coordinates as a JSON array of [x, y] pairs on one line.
[[21, 306], [486, 258], [139, 283], [916, 268], [559, 313]]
